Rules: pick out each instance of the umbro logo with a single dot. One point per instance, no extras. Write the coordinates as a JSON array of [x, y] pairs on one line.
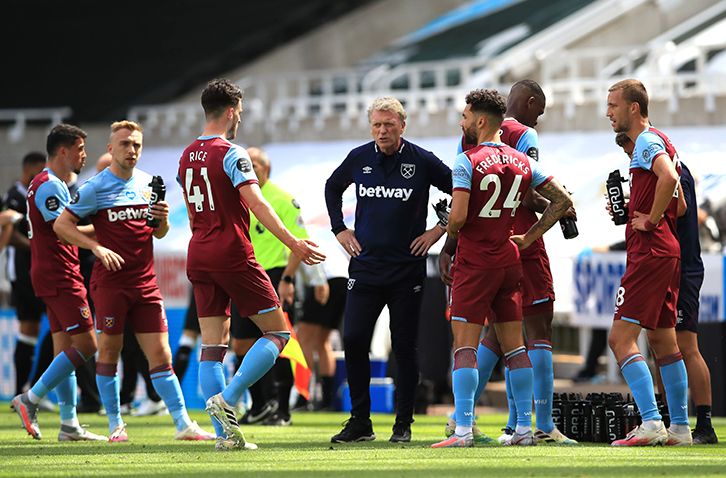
[[367, 170]]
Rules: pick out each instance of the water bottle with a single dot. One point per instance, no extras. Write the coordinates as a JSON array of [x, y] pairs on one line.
[[568, 226], [557, 412], [599, 424], [586, 420], [616, 197], [158, 193]]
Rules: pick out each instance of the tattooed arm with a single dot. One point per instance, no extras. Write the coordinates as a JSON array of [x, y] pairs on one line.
[[560, 202]]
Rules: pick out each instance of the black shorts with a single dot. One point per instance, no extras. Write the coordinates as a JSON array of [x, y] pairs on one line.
[[243, 327], [688, 301], [191, 322], [27, 305], [331, 314]]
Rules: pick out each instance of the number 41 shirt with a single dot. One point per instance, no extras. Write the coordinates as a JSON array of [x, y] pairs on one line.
[[211, 170]]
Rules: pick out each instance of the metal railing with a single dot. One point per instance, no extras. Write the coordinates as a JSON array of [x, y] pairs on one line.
[[19, 118], [570, 77]]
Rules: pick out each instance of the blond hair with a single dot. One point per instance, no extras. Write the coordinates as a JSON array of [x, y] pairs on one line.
[[390, 104], [129, 125]]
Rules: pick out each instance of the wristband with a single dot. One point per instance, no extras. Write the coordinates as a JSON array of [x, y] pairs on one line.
[[649, 226], [287, 279], [16, 218]]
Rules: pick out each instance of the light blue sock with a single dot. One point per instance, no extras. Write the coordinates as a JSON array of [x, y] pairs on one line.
[[540, 354], [637, 375], [260, 358], [67, 392], [108, 389], [675, 382], [522, 381], [167, 386], [464, 382], [512, 419], [211, 381], [455, 415], [486, 360], [58, 370]]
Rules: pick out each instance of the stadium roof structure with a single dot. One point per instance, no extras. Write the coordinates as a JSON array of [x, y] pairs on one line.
[[479, 28], [100, 58]]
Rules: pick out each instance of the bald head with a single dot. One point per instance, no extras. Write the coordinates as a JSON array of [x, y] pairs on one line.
[[261, 164], [103, 162]]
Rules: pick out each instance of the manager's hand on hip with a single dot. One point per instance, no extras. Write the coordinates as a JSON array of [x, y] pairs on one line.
[[349, 242]]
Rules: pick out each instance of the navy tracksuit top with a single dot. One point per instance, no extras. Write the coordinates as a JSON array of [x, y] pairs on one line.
[[392, 195]]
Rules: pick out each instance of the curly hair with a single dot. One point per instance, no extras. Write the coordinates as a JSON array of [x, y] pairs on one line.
[[218, 95], [489, 103]]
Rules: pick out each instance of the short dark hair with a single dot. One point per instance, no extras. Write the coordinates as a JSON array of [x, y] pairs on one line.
[[63, 135], [633, 92], [532, 88], [622, 138], [489, 103], [218, 95], [33, 158]]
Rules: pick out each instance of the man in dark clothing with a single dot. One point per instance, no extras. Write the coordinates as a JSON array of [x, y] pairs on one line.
[[388, 251]]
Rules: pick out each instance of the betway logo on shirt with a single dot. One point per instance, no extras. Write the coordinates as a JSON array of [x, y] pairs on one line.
[[384, 192], [126, 214]]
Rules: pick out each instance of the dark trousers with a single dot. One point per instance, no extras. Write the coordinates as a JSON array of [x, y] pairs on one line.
[[365, 301]]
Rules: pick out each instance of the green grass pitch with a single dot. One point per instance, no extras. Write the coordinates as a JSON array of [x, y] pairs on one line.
[[304, 450]]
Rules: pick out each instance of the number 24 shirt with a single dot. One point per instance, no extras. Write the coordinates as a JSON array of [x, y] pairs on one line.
[[496, 176]]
